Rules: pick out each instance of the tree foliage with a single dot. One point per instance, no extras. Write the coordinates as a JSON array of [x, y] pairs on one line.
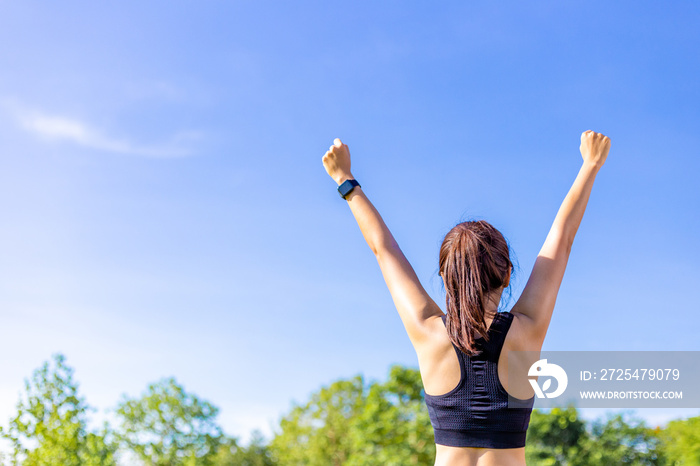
[[168, 426], [352, 423], [50, 427], [256, 453], [680, 441], [349, 423], [561, 438], [555, 437], [620, 439]]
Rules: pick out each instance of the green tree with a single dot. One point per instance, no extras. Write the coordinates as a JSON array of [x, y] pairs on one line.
[[351, 423], [681, 441], [561, 438], [256, 453], [394, 426], [318, 433], [620, 439], [50, 427], [555, 437], [168, 426]]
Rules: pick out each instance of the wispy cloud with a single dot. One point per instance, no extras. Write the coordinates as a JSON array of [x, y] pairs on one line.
[[67, 129]]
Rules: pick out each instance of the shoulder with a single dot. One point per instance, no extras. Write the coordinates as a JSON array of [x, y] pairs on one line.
[[523, 334], [435, 338]]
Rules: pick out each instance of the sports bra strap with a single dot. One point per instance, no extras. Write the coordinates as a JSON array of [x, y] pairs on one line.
[[498, 331], [497, 334]]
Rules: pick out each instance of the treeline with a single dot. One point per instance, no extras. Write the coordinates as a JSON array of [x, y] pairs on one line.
[[350, 422]]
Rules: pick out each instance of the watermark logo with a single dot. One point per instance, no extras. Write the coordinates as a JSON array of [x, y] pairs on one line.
[[543, 368], [606, 379]]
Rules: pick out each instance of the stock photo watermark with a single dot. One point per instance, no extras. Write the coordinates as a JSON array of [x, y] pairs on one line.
[[604, 379]]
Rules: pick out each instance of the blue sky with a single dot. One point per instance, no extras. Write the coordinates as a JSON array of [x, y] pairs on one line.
[[165, 211]]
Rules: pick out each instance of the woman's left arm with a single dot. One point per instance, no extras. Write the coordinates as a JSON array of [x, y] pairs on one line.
[[412, 302]]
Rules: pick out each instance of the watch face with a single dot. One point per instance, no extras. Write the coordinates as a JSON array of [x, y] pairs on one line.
[[346, 187]]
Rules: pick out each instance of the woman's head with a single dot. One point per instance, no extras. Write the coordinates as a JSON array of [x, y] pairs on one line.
[[475, 267]]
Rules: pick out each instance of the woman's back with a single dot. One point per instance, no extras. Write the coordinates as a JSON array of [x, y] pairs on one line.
[[467, 397]]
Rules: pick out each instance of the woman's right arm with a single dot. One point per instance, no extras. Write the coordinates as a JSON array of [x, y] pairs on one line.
[[536, 303]]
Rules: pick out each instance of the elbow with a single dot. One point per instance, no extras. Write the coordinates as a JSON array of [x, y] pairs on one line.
[[565, 237], [379, 247]]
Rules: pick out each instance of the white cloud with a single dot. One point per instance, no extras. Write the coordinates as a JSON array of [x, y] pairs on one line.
[[62, 128]]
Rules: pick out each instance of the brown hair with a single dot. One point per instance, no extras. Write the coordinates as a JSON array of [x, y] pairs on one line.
[[474, 261]]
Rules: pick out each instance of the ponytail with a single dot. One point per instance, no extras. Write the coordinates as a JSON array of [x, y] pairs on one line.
[[474, 261]]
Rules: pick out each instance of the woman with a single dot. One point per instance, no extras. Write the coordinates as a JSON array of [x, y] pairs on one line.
[[463, 355]]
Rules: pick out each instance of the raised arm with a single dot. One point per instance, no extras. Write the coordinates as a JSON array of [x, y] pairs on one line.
[[536, 303], [412, 302]]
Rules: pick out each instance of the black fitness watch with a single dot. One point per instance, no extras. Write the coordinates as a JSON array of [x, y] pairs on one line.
[[347, 186]]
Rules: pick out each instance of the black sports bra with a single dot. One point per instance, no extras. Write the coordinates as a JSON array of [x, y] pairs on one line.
[[476, 413]]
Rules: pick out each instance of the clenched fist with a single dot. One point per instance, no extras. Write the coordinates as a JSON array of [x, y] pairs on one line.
[[336, 161], [594, 147]]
